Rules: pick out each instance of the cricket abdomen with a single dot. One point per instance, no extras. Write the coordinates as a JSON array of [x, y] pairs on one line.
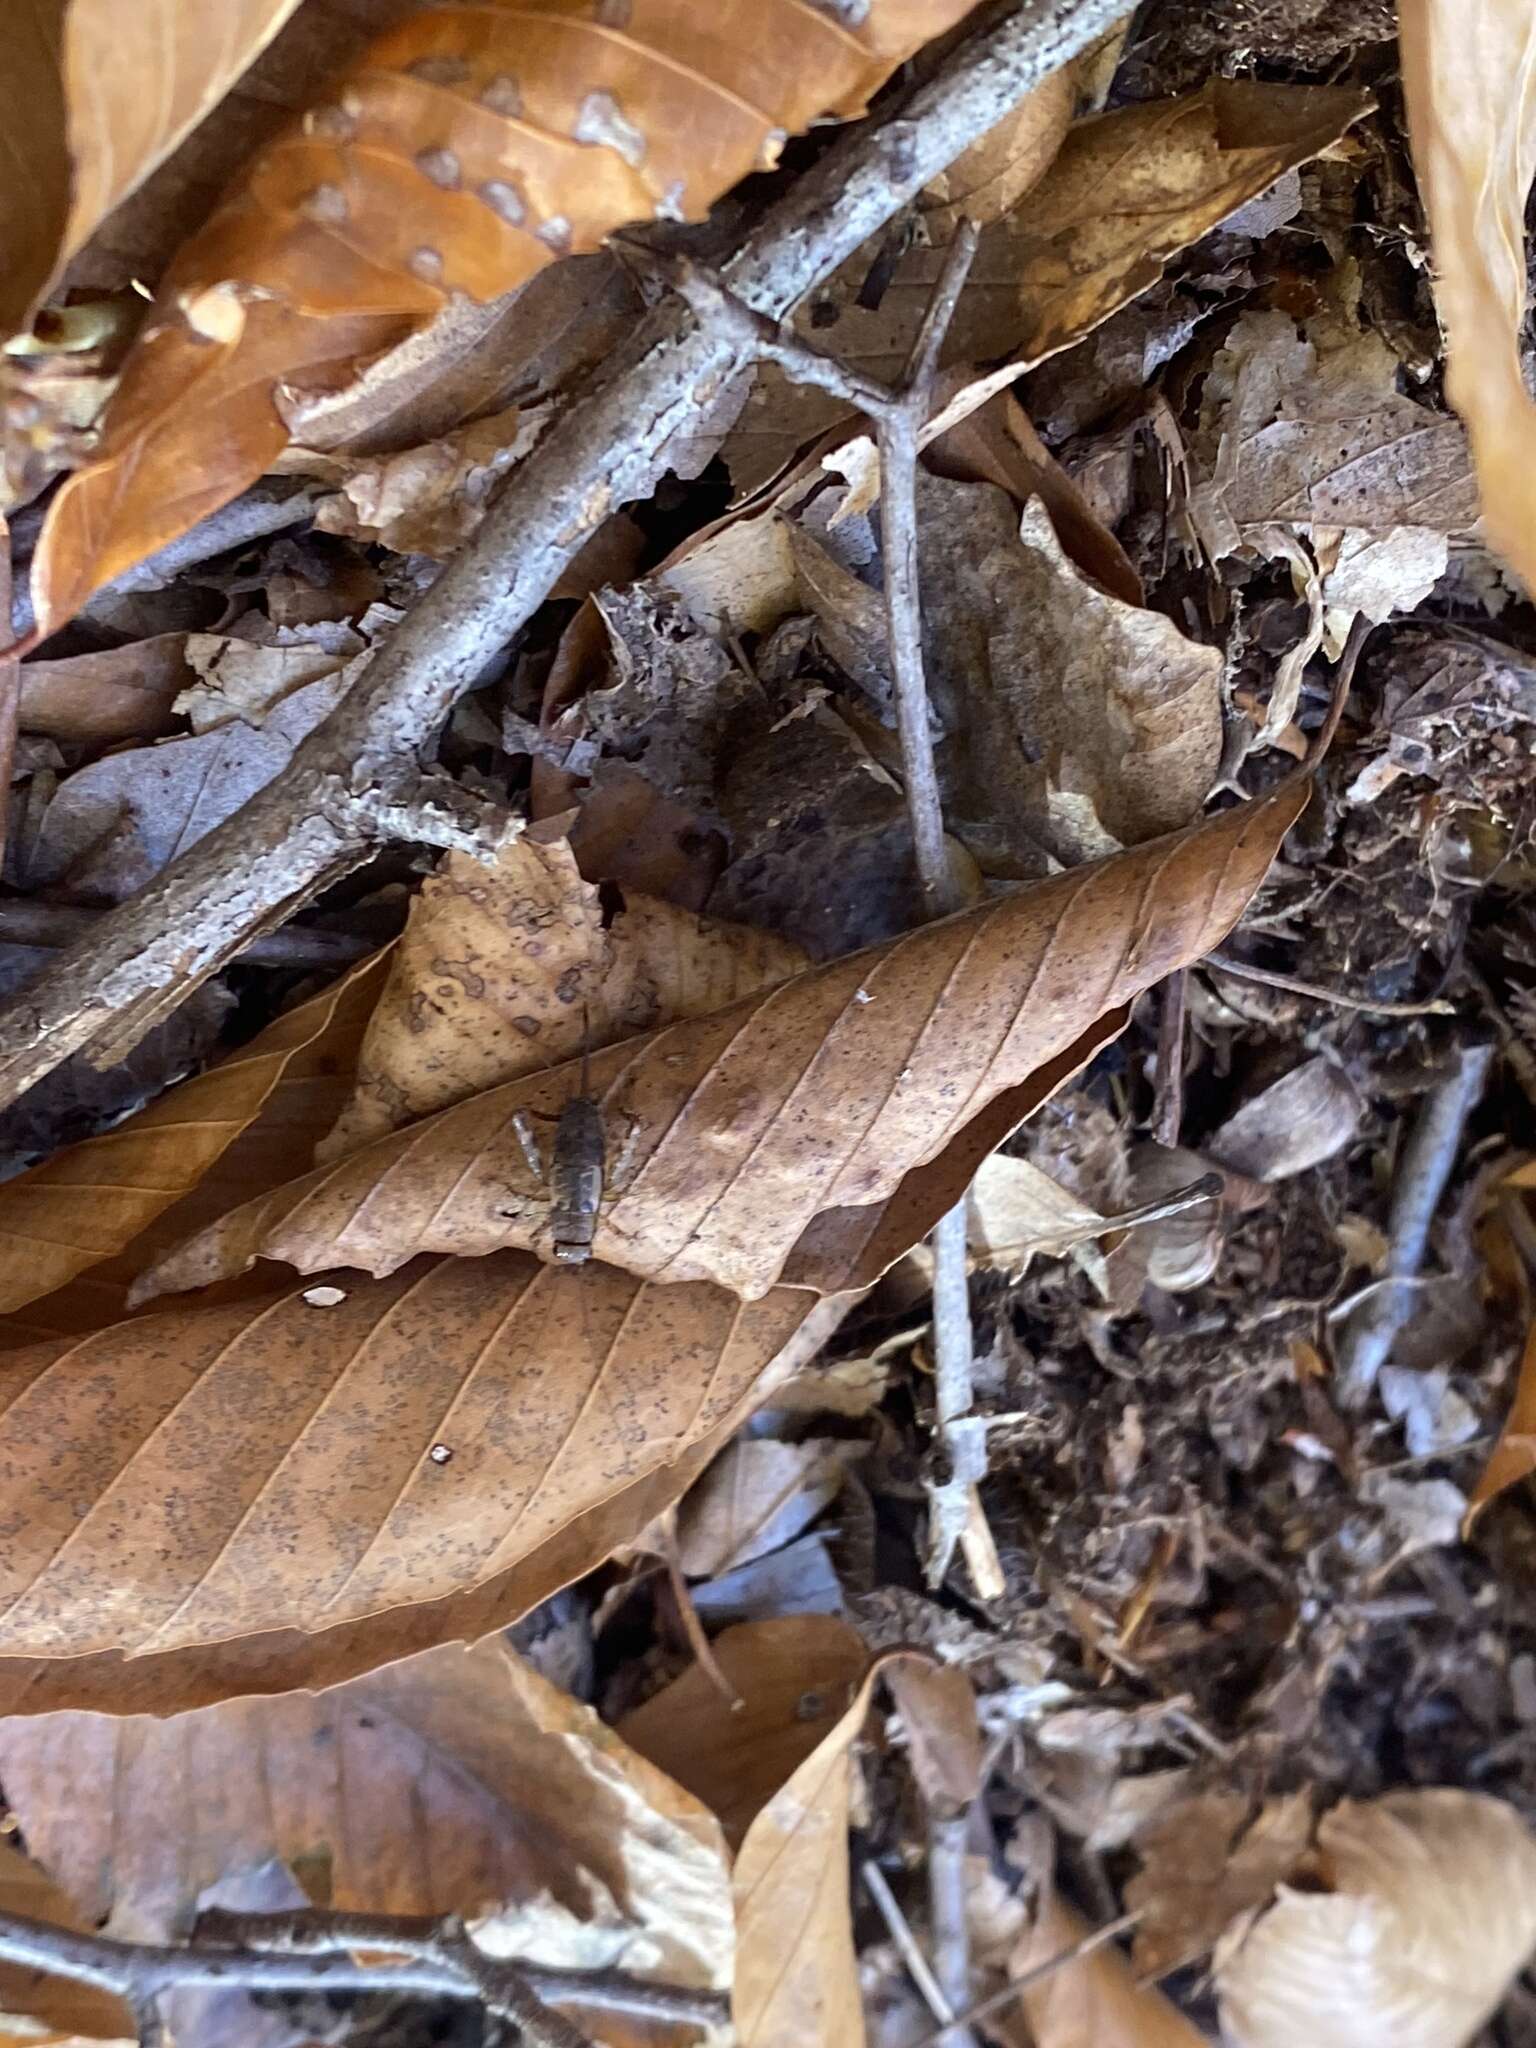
[[576, 1179]]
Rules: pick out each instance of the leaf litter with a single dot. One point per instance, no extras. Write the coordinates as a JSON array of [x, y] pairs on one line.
[[1233, 1733]]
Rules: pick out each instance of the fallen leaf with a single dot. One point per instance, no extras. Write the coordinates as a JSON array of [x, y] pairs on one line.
[[427, 499], [1467, 71], [1428, 1911], [1015, 1211], [1205, 1859], [794, 1677], [245, 680], [745, 1126], [441, 163], [94, 99], [937, 1704], [1074, 722], [1124, 194], [249, 1121], [112, 826], [1095, 2001], [1307, 1116], [121, 693], [757, 1495], [288, 1461], [36, 2008], [507, 968], [989, 178], [1513, 1457], [458, 1781]]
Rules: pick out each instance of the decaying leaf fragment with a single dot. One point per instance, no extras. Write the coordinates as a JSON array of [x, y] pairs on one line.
[[1513, 1457], [463, 151], [744, 1126], [1429, 1909], [1468, 71], [1096, 2001]]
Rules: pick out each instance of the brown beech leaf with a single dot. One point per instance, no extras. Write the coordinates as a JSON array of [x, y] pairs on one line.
[[317, 1453], [738, 1129], [94, 96], [1468, 69], [202, 1146], [507, 968], [1204, 1860], [37, 2008], [464, 150], [1124, 194], [456, 1781], [1422, 1909], [120, 693], [1513, 1457]]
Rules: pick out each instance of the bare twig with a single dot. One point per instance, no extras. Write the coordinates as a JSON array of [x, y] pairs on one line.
[[948, 1900], [316, 1951], [1267, 977], [319, 818], [1422, 1173], [919, 1969], [1168, 1099]]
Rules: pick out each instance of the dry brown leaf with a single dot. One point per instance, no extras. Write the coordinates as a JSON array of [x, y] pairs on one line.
[[1204, 1860], [989, 178], [458, 1781], [1307, 1116], [121, 693], [1015, 1210], [1513, 1457], [299, 1460], [794, 1676], [112, 826], [465, 149], [1468, 67], [744, 1127], [937, 1704], [94, 97], [759, 1494], [246, 1122], [1096, 2001], [1429, 1911], [1075, 723], [507, 968], [35, 2008], [425, 499], [1126, 192]]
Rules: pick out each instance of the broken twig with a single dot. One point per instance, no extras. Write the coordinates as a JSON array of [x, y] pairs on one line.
[[327, 810]]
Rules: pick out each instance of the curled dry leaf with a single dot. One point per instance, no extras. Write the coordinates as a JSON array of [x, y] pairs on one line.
[[458, 1781], [737, 1130], [1513, 1457], [1428, 1912], [1125, 193], [247, 1122], [294, 1460], [464, 150], [36, 2008], [507, 968], [1468, 67], [95, 96]]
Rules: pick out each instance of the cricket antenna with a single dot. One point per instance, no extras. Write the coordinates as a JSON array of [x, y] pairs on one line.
[[586, 1046]]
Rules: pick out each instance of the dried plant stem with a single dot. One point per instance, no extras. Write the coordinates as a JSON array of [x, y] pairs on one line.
[[315, 1951], [948, 1897], [328, 808], [919, 1969], [1269, 977], [1422, 1174]]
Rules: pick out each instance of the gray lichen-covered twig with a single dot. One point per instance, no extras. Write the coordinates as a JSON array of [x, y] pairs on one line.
[[341, 790]]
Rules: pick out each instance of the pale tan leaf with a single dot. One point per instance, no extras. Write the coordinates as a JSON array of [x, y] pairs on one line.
[[458, 1781], [989, 178], [312, 1455], [758, 1494], [937, 1704], [245, 1123], [744, 1127], [1093, 2001], [1468, 72], [38, 2009], [508, 968], [1014, 1210], [1427, 1912]]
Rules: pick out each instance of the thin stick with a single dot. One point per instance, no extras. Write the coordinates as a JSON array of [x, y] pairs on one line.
[[314, 1951], [948, 1898], [322, 815], [1422, 1174], [1267, 977], [1010, 1991], [917, 1964], [1168, 1099]]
